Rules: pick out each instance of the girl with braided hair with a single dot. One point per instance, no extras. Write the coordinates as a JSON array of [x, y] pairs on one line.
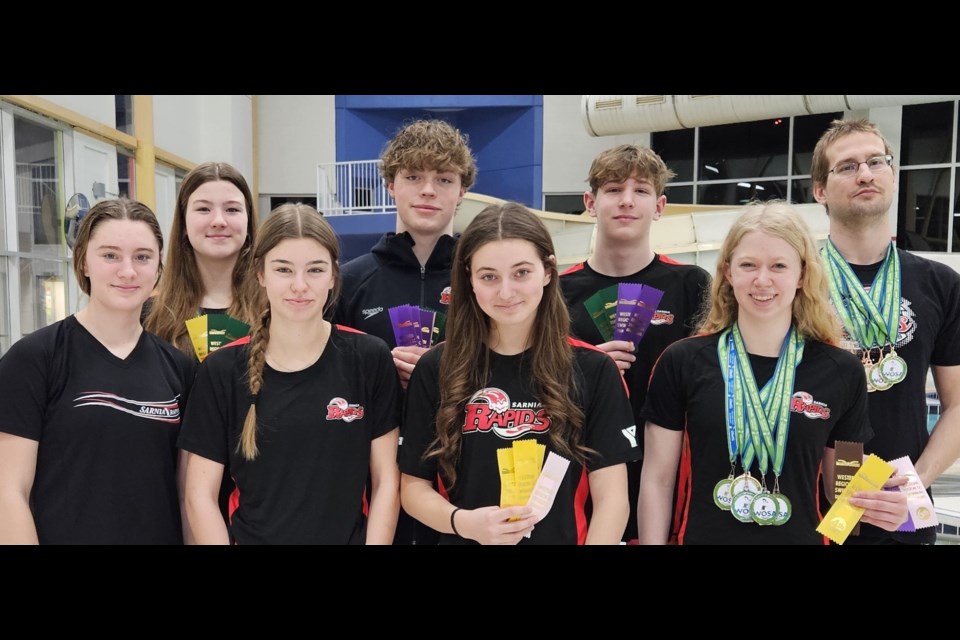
[[301, 413]]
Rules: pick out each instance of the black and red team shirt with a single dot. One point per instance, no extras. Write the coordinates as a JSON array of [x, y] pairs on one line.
[[506, 410], [829, 403], [315, 427], [390, 276], [928, 334], [107, 430], [685, 288]]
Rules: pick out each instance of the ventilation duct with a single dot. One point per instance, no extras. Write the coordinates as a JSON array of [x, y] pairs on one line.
[[608, 115]]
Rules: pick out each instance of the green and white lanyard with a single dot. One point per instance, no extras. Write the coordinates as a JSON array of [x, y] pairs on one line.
[[758, 422], [873, 318]]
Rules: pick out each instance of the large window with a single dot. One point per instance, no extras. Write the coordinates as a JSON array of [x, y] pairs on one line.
[[33, 254], [736, 163], [929, 196]]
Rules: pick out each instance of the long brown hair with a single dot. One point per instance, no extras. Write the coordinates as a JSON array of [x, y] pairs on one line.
[[465, 363], [181, 291], [288, 221], [812, 314]]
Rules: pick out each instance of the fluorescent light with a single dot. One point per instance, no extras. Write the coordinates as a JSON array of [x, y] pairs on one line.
[[745, 185], [709, 168], [759, 188]]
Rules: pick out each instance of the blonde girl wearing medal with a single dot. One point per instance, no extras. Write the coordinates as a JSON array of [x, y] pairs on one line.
[[761, 395]]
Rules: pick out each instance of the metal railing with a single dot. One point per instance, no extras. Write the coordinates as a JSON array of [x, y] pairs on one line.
[[352, 187]]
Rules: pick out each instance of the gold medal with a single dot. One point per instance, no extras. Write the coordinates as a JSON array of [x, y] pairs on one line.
[[741, 506], [745, 483], [784, 509], [893, 368], [721, 494], [763, 509], [877, 380], [868, 370]]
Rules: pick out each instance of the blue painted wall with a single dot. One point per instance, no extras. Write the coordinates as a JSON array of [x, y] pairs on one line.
[[505, 131]]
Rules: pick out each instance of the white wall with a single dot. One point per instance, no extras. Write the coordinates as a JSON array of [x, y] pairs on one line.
[[568, 149], [296, 133], [206, 128], [226, 131], [103, 109], [175, 125]]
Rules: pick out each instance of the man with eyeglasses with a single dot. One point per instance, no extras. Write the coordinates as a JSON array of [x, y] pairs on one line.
[[901, 312]]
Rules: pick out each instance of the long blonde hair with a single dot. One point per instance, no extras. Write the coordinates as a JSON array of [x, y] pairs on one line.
[[465, 363], [288, 221], [181, 289], [812, 314]]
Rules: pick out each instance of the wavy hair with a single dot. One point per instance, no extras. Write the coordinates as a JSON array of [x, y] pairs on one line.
[[181, 292], [621, 162], [812, 314], [429, 145], [286, 222], [465, 363]]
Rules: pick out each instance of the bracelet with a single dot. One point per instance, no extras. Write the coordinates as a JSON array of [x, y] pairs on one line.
[[452, 524]]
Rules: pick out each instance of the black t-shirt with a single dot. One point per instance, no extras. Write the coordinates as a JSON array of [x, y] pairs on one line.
[[495, 417], [685, 288], [107, 430], [929, 334], [829, 403], [315, 427]]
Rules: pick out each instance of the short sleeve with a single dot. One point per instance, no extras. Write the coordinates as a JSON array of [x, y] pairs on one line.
[[611, 430], [384, 391], [946, 350], [854, 424], [420, 416], [206, 424], [24, 388], [665, 404]]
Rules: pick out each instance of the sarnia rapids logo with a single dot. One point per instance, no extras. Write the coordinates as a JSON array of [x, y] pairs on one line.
[[803, 402], [491, 409], [340, 409]]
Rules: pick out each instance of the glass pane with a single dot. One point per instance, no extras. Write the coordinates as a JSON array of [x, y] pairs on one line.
[[802, 191], [745, 150], [124, 111], [737, 193], [126, 174], [924, 204], [955, 248], [4, 307], [3, 211], [557, 203], [676, 150], [679, 194], [178, 176], [926, 133], [39, 211], [806, 132], [956, 195], [43, 293]]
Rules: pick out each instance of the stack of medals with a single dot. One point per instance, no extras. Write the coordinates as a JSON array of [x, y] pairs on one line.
[[758, 422], [873, 318]]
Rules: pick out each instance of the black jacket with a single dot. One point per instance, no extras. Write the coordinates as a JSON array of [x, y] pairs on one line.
[[390, 275]]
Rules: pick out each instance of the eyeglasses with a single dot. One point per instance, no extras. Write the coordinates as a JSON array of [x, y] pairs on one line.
[[850, 168]]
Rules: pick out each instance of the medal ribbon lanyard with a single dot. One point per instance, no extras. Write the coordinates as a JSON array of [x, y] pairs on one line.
[[769, 408], [739, 442], [867, 317]]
